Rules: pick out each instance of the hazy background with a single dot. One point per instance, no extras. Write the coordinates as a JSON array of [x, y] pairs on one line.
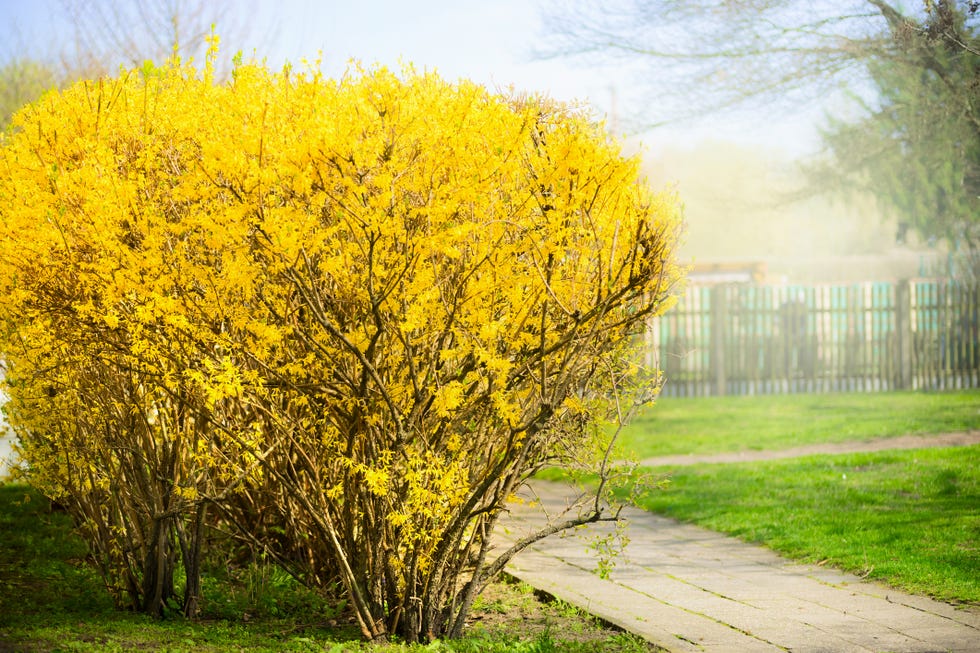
[[735, 172]]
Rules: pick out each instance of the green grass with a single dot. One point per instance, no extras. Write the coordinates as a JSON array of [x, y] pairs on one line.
[[727, 424], [909, 518], [52, 600]]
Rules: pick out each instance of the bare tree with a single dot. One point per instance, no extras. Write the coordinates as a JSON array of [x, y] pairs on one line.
[[912, 133], [103, 35], [692, 58], [107, 34]]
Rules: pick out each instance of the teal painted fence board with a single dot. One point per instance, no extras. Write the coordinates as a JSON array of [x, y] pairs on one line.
[[740, 339]]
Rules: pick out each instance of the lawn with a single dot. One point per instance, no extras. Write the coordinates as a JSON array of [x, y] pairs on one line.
[[909, 518], [52, 600], [727, 424]]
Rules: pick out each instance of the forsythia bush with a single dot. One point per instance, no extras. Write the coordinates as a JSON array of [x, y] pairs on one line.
[[348, 318]]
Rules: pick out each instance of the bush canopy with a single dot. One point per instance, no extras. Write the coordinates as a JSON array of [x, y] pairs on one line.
[[343, 319]]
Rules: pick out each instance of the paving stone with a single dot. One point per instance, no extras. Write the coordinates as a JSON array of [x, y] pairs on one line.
[[688, 589], [667, 625]]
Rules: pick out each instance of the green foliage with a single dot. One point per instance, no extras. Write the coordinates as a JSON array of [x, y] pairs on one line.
[[908, 518], [23, 81], [916, 146]]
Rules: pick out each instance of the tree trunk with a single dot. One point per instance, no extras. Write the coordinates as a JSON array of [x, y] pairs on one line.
[[191, 555]]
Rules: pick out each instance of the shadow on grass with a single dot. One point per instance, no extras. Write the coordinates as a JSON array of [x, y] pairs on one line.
[[43, 571], [52, 600]]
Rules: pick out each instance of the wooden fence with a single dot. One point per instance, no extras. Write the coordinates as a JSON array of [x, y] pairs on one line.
[[745, 339]]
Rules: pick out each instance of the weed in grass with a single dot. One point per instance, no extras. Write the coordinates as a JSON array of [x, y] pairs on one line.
[[261, 589]]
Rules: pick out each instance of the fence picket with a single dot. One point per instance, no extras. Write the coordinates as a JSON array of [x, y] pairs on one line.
[[741, 339]]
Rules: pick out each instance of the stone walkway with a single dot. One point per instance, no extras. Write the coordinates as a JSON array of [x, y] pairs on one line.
[[685, 588]]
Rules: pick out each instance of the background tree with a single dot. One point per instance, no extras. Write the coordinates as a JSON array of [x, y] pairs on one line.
[[692, 58], [103, 35], [23, 81], [916, 144], [695, 57], [108, 34]]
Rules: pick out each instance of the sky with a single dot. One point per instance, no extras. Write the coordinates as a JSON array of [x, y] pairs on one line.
[[488, 41]]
